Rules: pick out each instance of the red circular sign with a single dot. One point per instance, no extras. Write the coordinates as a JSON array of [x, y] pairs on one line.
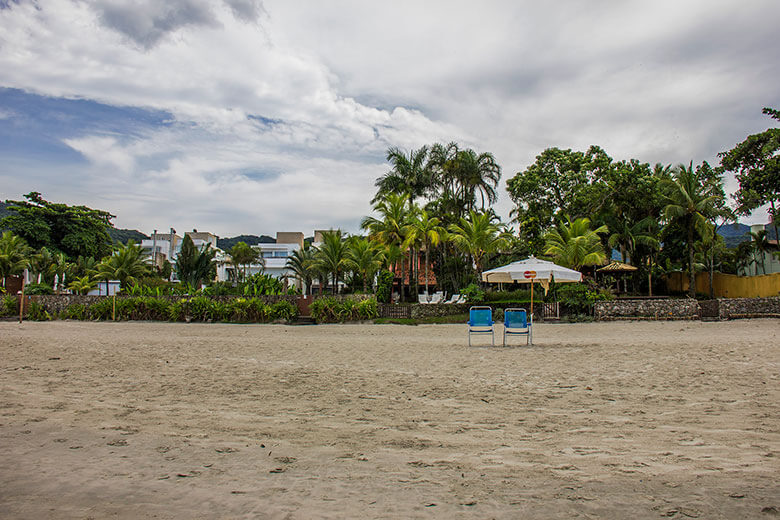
[[530, 274]]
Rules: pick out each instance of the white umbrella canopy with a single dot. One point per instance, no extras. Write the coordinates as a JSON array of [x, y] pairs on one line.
[[531, 270]]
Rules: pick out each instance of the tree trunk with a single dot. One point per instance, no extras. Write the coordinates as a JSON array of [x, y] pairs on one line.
[[691, 272], [426, 271], [774, 220], [403, 276]]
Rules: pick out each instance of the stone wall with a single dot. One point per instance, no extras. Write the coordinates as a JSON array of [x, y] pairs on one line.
[[56, 303], [658, 309], [732, 308]]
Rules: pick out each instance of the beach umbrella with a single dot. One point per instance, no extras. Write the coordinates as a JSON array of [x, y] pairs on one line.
[[532, 270]]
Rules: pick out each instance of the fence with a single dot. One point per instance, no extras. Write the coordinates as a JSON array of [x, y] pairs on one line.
[[727, 285]]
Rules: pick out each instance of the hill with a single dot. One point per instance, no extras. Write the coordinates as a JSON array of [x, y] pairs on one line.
[[226, 243], [121, 236], [734, 234]]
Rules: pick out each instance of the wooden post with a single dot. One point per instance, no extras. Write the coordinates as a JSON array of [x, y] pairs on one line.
[[21, 300]]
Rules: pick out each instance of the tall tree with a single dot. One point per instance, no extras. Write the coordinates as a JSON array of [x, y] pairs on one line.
[[301, 262], [14, 255], [477, 236], [756, 161], [127, 264], [560, 183], [390, 227], [195, 266], [244, 255], [428, 230], [693, 198], [73, 230], [331, 256], [365, 257], [410, 175], [574, 244]]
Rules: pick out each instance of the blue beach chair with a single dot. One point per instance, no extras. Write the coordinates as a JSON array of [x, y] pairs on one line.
[[481, 322], [518, 323]]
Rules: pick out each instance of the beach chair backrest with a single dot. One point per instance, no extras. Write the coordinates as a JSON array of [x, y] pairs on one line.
[[516, 318], [480, 316]]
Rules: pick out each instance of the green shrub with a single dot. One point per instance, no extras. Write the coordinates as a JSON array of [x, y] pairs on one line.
[[36, 312], [578, 298], [331, 310], [101, 310], [283, 310], [75, 311], [10, 306], [38, 288], [473, 293], [384, 286], [176, 310], [368, 309]]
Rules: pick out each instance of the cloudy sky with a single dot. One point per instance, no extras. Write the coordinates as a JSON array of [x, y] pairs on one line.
[[249, 116]]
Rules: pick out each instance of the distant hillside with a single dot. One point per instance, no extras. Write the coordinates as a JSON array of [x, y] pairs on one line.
[[252, 240], [734, 234], [4, 212], [121, 236]]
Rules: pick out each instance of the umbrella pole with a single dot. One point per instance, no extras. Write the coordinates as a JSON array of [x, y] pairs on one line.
[[530, 339]]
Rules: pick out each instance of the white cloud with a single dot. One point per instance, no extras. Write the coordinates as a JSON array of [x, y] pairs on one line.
[[339, 82]]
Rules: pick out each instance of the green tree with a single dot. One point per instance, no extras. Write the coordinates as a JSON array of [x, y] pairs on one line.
[[693, 198], [559, 183], [73, 230], [14, 255], [390, 227], [127, 264], [410, 175], [365, 257], [574, 244], [331, 256], [756, 161], [195, 266], [760, 247], [461, 176], [301, 262], [477, 236], [427, 229], [244, 255], [82, 285]]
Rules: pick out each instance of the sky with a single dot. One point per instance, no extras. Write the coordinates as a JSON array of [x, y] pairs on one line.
[[252, 117]]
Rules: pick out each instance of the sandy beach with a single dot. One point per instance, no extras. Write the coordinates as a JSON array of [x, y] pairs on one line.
[[597, 420]]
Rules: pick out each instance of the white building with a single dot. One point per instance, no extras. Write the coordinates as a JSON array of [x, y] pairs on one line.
[[274, 259]]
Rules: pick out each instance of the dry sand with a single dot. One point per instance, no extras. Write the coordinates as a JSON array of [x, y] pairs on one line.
[[602, 420]]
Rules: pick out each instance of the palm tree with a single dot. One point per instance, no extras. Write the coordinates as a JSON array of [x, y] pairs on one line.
[[365, 257], [462, 175], [331, 256], [389, 229], [575, 244], [760, 247], [691, 202], [477, 236], [242, 254], [40, 263], [478, 175], [195, 266], [126, 264], [426, 228], [14, 255], [82, 285], [410, 175], [301, 262], [58, 268]]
